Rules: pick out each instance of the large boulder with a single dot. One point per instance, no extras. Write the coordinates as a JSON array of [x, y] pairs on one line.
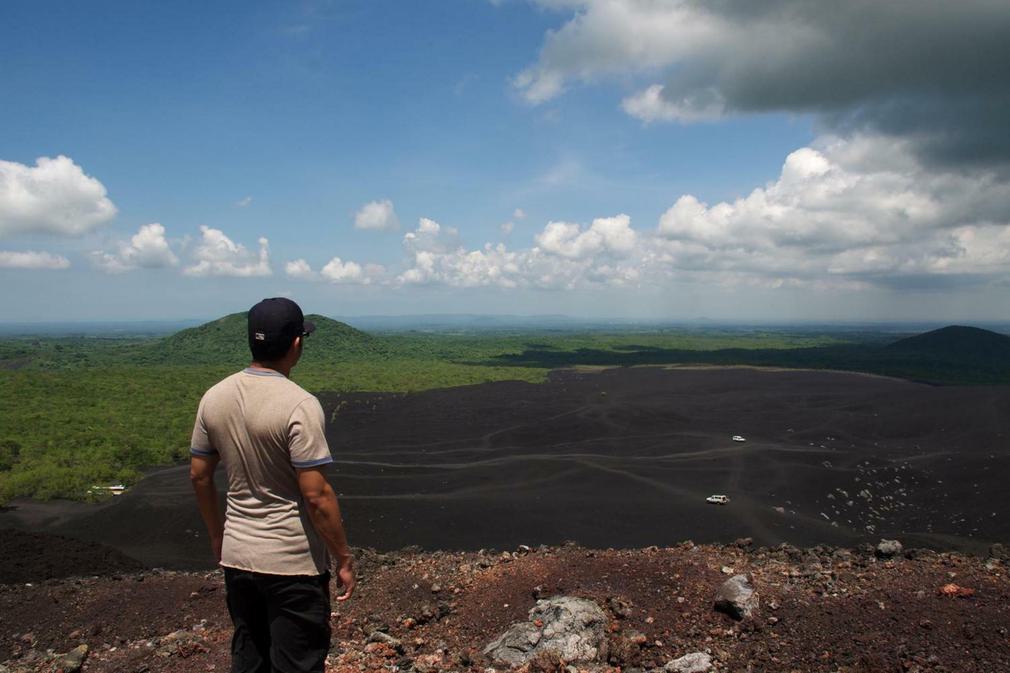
[[888, 549], [736, 597], [569, 628]]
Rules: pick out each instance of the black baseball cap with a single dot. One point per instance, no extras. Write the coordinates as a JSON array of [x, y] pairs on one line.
[[277, 319]]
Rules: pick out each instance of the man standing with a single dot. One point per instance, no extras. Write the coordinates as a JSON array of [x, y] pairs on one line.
[[282, 515]]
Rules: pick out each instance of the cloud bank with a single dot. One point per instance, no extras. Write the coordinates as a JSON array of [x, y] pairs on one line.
[[32, 260], [932, 72]]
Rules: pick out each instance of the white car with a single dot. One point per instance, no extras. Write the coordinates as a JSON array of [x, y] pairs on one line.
[[738, 438], [717, 499]]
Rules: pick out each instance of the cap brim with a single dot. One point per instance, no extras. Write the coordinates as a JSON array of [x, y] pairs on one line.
[[308, 327]]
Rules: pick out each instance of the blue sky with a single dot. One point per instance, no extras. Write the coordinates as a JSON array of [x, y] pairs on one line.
[[613, 154]]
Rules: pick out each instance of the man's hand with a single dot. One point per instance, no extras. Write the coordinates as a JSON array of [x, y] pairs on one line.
[[345, 578]]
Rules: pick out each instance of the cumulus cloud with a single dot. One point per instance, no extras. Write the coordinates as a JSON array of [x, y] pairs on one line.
[[507, 227], [147, 249], [337, 271], [611, 234], [54, 196], [217, 255], [929, 71], [377, 215], [299, 269], [244, 202], [32, 260], [518, 214]]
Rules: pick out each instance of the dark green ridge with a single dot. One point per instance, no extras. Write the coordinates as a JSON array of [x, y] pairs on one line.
[[224, 342], [956, 343]]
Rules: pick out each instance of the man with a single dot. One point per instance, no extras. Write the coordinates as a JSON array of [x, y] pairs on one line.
[[282, 515]]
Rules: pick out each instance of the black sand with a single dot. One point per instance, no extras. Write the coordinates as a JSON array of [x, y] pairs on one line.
[[625, 458]]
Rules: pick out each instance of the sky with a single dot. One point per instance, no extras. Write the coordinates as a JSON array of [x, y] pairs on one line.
[[745, 160]]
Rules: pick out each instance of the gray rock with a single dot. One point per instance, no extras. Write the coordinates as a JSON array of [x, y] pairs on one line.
[[889, 548], [999, 551], [572, 629], [736, 597], [696, 662], [72, 661], [380, 637]]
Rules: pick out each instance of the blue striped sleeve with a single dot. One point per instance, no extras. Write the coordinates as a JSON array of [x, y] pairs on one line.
[[303, 464], [193, 451]]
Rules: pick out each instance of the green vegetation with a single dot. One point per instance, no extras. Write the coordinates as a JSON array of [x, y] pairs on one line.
[[79, 411]]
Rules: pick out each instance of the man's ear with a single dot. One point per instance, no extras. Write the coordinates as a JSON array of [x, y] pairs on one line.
[[295, 345]]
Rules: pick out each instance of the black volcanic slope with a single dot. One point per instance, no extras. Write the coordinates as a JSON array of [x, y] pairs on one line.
[[223, 342], [626, 457]]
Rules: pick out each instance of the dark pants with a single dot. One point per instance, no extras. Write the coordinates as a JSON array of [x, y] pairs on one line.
[[282, 622]]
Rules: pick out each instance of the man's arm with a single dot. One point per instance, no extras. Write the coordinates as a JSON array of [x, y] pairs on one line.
[[201, 473], [324, 510]]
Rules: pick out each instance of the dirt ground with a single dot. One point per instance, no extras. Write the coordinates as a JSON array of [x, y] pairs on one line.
[[821, 609], [625, 458]]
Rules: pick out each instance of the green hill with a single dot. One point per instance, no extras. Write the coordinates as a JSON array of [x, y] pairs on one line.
[[956, 343], [224, 342]]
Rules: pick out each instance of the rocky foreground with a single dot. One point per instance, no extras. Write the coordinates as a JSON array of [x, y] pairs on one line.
[[689, 608]]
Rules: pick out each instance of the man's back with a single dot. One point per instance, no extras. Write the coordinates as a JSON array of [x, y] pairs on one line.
[[264, 427]]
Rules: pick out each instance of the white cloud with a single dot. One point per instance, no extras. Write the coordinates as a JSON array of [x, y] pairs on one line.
[[147, 249], [54, 197], [518, 214], [32, 260], [610, 234], [217, 255], [339, 271], [507, 227], [377, 215], [649, 105], [299, 269], [244, 201]]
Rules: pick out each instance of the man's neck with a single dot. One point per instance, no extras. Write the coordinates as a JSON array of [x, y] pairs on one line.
[[278, 367]]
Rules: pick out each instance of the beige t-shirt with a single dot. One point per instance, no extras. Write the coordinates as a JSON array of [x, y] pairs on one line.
[[265, 427]]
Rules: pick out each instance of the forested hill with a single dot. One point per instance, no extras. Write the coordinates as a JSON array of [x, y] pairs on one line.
[[224, 342], [956, 343]]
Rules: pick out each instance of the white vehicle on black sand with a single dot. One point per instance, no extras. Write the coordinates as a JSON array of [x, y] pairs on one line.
[[717, 499], [738, 438]]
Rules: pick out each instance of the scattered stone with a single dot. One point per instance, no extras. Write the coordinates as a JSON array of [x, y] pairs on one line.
[[736, 597], [72, 661], [695, 662], [620, 607], [889, 548], [380, 637], [999, 551], [573, 629]]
